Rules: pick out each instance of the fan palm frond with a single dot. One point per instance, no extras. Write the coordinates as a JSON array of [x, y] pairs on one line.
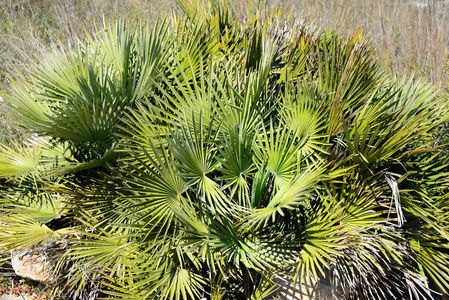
[[23, 231]]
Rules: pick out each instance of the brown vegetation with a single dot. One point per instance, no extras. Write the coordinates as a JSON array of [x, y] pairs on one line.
[[411, 36]]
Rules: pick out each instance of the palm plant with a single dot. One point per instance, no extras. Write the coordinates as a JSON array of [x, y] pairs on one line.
[[208, 158]]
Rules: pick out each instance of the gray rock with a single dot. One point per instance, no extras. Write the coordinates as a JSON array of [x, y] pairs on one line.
[[12, 297], [32, 266], [39, 262]]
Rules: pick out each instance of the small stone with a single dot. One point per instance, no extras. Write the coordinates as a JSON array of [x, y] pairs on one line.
[[11, 297], [33, 265]]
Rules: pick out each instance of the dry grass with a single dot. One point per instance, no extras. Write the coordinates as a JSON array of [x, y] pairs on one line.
[[29, 28], [410, 35]]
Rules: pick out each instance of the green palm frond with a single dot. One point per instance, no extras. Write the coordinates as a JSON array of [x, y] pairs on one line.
[[324, 237], [43, 207], [264, 289], [23, 231], [18, 159], [278, 152], [93, 255], [429, 252], [83, 93], [371, 252], [346, 74], [305, 113], [377, 133], [37, 157], [294, 194], [178, 283], [151, 195], [195, 161], [237, 163], [257, 102]]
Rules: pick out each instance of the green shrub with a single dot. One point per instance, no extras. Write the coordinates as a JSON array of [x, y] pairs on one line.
[[206, 157]]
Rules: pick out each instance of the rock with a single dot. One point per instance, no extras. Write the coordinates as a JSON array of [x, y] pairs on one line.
[[11, 297], [32, 296], [33, 266], [37, 263]]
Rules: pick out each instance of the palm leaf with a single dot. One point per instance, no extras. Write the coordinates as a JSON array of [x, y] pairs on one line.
[[23, 231]]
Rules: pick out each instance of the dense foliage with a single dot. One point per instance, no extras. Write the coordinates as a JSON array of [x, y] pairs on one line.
[[211, 157]]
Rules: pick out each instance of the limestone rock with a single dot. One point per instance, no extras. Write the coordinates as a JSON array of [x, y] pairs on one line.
[[37, 263], [11, 297]]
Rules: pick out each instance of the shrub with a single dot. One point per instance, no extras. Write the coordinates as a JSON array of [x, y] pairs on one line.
[[209, 157]]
